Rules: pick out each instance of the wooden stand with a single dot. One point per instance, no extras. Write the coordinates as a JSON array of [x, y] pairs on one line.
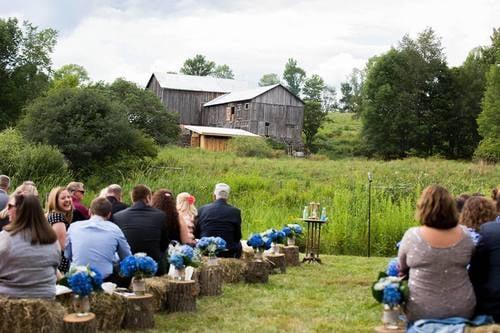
[[291, 255], [140, 313], [210, 281], [181, 296], [382, 329], [257, 272], [76, 324], [277, 263], [313, 240]]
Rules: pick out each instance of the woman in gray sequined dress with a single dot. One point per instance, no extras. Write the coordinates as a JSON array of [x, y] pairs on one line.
[[435, 256]]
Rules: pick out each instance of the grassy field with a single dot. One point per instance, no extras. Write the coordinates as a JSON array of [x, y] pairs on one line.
[[339, 135], [333, 297]]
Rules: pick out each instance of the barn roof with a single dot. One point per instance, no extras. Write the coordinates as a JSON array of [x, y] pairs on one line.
[[219, 131], [199, 83], [240, 95]]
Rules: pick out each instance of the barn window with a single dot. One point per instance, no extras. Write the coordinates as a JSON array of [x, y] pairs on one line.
[[267, 129], [247, 106]]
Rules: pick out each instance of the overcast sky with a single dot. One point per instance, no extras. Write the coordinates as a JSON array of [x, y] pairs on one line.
[[133, 38]]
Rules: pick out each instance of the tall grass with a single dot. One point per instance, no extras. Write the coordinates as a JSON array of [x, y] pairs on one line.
[[273, 192]]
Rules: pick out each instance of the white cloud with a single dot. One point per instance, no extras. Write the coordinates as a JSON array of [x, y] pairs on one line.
[[328, 38]]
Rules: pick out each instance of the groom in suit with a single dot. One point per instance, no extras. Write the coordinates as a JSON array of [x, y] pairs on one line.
[[222, 220]]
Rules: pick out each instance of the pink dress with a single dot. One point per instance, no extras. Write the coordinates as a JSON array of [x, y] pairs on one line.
[[186, 220]]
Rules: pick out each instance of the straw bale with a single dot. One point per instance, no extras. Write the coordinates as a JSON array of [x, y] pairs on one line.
[[158, 287], [109, 310], [233, 270], [30, 315], [494, 328]]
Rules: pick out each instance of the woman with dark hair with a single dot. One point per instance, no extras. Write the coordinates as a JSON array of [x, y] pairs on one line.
[[59, 214], [29, 252], [163, 199], [435, 256], [495, 195]]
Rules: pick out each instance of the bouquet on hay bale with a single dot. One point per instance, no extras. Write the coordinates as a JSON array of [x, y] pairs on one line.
[[211, 246], [138, 267], [182, 256], [82, 280], [392, 291], [277, 237], [292, 231], [259, 243]]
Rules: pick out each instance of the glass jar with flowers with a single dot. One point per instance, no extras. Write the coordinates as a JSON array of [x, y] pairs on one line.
[[181, 256], [259, 245], [277, 237], [391, 290], [211, 246], [292, 232], [138, 267], [82, 280]]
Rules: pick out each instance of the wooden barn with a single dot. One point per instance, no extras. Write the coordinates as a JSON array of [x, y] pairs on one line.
[[186, 94], [213, 138], [271, 111]]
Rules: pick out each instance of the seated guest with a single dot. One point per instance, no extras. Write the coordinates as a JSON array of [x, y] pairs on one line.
[[219, 219], [187, 215], [460, 201], [164, 200], [59, 214], [29, 251], [477, 211], [495, 195], [28, 188], [485, 265], [95, 241], [435, 256], [114, 195], [144, 226], [77, 192], [4, 188]]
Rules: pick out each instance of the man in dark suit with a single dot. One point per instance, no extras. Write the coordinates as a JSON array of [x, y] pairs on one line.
[[114, 195], [144, 227], [222, 220]]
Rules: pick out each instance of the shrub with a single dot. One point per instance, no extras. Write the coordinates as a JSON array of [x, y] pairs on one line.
[[250, 146]]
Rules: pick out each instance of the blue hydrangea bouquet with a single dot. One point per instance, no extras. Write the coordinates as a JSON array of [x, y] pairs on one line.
[[292, 231], [181, 256], [138, 266], [83, 280], [259, 244], [211, 246]]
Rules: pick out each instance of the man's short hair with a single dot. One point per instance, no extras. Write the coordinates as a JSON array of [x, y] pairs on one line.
[[74, 187], [221, 191], [101, 207], [4, 182], [115, 189], [140, 193]]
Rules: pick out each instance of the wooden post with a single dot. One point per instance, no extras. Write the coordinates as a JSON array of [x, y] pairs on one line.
[[181, 296], [291, 255], [278, 263], [210, 281], [75, 324], [140, 313], [257, 272]]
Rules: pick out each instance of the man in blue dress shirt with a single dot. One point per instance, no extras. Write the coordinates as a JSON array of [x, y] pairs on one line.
[[96, 241]]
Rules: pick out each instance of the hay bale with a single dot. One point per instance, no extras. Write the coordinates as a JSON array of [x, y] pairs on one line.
[[233, 270], [30, 315], [158, 287], [109, 310], [493, 328]]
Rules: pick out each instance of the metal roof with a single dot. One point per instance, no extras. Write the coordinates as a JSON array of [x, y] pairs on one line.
[[240, 95], [200, 83], [219, 131]]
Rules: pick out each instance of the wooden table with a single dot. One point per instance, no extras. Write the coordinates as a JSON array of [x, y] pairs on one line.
[[313, 240]]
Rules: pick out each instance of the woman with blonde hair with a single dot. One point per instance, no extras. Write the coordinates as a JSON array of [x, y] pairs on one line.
[[187, 215], [29, 252], [435, 257], [59, 210]]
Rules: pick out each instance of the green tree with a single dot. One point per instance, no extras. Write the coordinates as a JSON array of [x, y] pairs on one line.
[[329, 99], [87, 127], [294, 76], [347, 100], [489, 119], [314, 88], [313, 117], [198, 65], [223, 72], [269, 80], [24, 66], [70, 76], [145, 111]]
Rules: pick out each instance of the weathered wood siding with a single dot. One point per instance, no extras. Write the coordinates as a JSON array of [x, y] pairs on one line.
[[213, 143], [276, 113]]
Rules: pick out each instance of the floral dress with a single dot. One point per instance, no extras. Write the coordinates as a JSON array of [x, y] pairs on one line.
[[54, 218]]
